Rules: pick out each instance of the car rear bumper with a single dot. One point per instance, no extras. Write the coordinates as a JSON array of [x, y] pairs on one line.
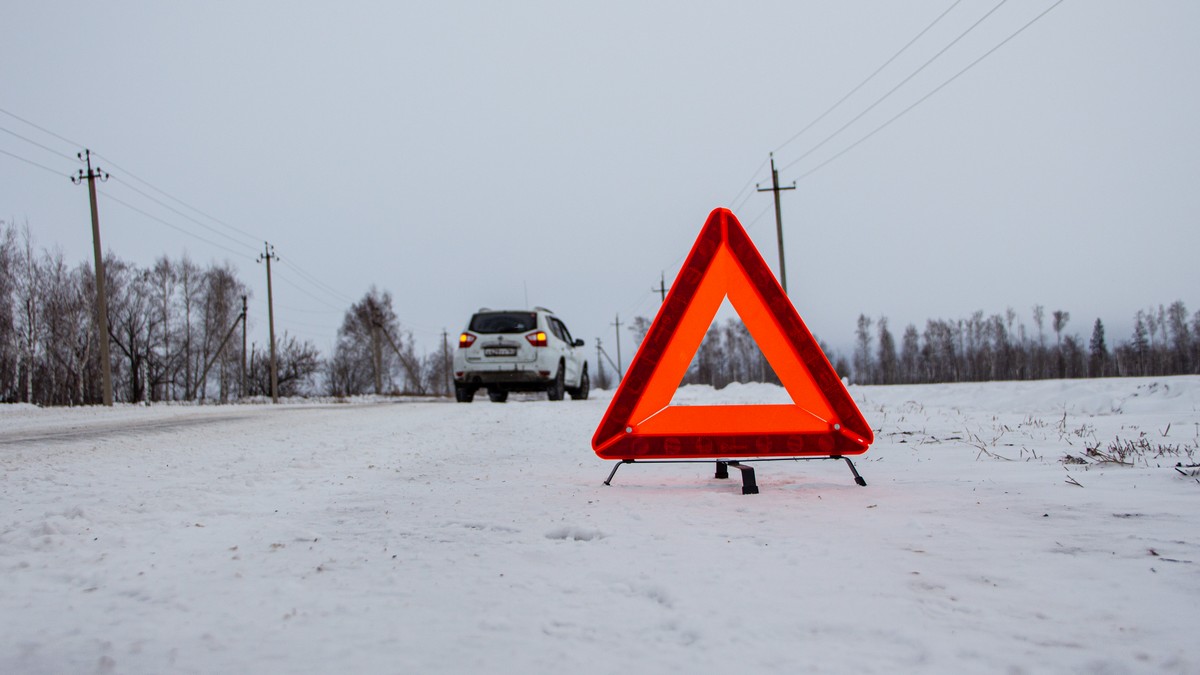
[[512, 378]]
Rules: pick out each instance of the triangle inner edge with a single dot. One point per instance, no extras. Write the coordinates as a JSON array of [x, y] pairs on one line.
[[653, 413]]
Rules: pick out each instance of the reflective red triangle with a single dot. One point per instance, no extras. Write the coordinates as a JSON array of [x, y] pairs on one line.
[[640, 422]]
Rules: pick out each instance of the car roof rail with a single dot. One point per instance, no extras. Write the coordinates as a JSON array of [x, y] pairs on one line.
[[543, 309], [485, 309]]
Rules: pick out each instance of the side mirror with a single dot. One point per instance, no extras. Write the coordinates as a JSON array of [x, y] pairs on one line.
[[578, 343]]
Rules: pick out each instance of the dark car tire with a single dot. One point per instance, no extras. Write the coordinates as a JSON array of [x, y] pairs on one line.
[[580, 393], [464, 393], [498, 395], [554, 391]]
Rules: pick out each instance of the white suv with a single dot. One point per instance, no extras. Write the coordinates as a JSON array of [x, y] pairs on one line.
[[519, 350]]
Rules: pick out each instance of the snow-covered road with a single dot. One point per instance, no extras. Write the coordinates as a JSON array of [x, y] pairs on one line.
[[436, 537]]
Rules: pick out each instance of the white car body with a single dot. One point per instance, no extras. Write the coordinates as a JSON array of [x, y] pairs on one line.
[[519, 350]]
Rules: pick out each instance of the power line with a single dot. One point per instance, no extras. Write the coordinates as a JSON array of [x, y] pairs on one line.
[[308, 278], [747, 186], [33, 142], [30, 161], [930, 94], [319, 284], [180, 213], [131, 207], [292, 322], [44, 130], [869, 78], [312, 284], [311, 311], [305, 291], [633, 307], [891, 91], [175, 199], [757, 218]]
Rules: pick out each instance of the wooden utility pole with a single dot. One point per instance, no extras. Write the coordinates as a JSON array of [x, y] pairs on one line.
[[778, 218], [617, 323], [101, 297], [242, 391], [599, 364], [268, 255], [662, 286]]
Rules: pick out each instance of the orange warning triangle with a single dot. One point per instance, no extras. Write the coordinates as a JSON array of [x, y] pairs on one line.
[[640, 422]]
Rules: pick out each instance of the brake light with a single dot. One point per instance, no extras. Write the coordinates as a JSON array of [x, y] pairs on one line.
[[537, 339], [465, 340]]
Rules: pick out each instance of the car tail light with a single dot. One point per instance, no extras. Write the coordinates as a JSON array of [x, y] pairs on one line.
[[537, 339], [465, 340]]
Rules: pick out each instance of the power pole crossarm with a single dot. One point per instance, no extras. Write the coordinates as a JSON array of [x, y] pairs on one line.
[[662, 287], [101, 297], [778, 219]]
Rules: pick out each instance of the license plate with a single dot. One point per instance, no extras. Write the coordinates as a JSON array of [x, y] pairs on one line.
[[499, 351]]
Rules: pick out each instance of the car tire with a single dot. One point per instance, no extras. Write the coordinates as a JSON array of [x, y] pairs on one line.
[[498, 395], [464, 393], [554, 391], [580, 393]]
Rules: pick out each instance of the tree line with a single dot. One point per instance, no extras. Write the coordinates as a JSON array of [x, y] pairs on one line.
[[172, 329], [1165, 341], [170, 326]]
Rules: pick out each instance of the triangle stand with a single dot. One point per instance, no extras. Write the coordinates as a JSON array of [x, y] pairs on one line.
[[749, 482]]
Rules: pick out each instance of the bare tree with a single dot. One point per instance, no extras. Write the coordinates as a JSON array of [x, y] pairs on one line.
[[1060, 322], [9, 349], [68, 335], [889, 366], [28, 317], [164, 287], [222, 303], [1098, 361], [131, 326], [863, 367], [638, 327], [1180, 338], [191, 288], [298, 364], [372, 341], [910, 355]]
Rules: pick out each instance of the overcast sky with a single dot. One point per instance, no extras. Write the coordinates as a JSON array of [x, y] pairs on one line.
[[463, 155]]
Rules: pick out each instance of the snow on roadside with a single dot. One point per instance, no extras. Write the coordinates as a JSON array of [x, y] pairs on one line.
[[436, 537]]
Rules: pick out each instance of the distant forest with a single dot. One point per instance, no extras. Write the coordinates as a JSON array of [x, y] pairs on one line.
[[1165, 341]]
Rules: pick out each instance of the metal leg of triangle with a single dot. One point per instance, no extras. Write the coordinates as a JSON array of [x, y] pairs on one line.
[[749, 483]]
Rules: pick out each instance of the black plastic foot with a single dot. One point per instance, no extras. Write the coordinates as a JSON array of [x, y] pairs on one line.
[[614, 471], [722, 470], [749, 485], [857, 478]]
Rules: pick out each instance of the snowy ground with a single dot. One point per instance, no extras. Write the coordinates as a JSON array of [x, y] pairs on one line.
[[387, 537]]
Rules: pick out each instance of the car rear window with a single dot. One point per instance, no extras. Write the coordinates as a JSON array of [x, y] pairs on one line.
[[503, 322]]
